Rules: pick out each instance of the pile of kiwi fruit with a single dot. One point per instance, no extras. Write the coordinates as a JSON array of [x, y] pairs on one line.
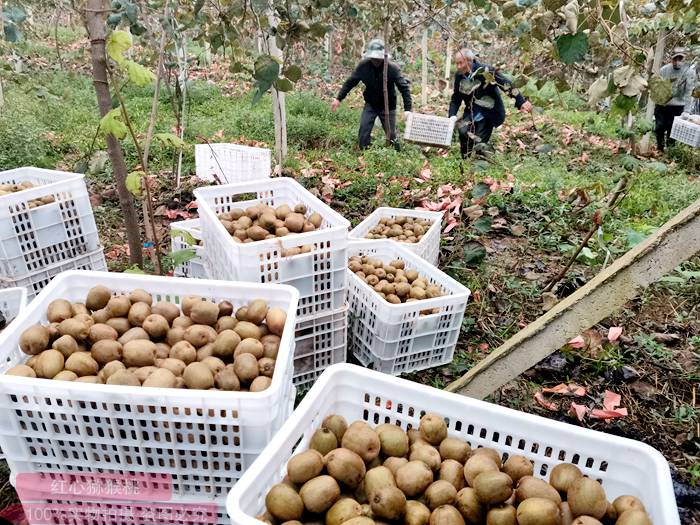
[[392, 281], [6, 189], [358, 475], [126, 339], [401, 228], [261, 222]]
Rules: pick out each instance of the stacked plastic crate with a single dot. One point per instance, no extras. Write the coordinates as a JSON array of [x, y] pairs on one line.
[[187, 250], [314, 262], [46, 227]]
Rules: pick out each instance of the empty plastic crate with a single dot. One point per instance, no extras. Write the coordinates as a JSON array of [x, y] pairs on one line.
[[203, 439], [318, 275], [622, 465], [194, 268], [397, 338], [33, 238], [428, 247], [35, 282], [321, 341], [231, 163], [429, 129], [686, 132]]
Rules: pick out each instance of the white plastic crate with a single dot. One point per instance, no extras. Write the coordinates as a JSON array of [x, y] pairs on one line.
[[428, 247], [622, 465], [321, 341], [429, 129], [12, 300], [231, 163], [194, 268], [686, 132], [318, 275], [33, 239], [396, 338], [35, 282], [204, 439]]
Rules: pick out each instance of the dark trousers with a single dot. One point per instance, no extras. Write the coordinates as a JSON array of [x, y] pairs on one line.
[[471, 132], [664, 115], [369, 114]]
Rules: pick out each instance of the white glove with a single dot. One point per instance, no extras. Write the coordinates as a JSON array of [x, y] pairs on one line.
[[406, 114], [453, 118]]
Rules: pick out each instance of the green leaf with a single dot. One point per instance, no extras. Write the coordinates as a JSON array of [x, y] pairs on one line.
[[553, 5], [572, 48], [283, 84], [658, 167], [473, 253], [318, 30], [293, 73], [12, 32], [170, 139], [138, 74], [489, 24], [587, 254], [259, 89], [633, 237], [133, 182], [180, 257], [481, 190], [485, 102], [117, 43], [598, 91], [483, 224], [623, 104], [660, 90], [111, 124], [114, 19], [267, 69], [135, 269], [15, 14], [510, 9], [236, 67], [185, 236]]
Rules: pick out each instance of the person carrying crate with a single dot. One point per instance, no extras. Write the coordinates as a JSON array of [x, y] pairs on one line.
[[682, 81], [476, 85], [370, 71]]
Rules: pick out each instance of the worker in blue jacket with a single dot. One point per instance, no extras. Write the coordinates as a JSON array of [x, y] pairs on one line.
[[476, 85]]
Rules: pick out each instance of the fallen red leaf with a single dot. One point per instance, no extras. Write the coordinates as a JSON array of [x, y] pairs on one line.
[[611, 400], [578, 411], [450, 226], [608, 414], [566, 390], [614, 333], [174, 214], [544, 403], [577, 342]]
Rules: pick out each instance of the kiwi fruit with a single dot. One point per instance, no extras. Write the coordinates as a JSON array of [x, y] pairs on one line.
[[49, 363], [168, 310], [538, 511], [586, 520], [67, 345], [469, 506], [452, 472], [439, 493], [198, 376], [633, 517], [82, 364], [215, 364], [393, 440], [416, 513], [139, 352], [118, 306], [225, 322], [110, 368], [624, 503], [413, 478], [246, 368], [120, 324], [227, 379], [95, 380], [98, 297], [394, 463], [275, 320], [531, 487], [99, 331], [160, 378], [183, 351], [565, 513], [249, 346], [247, 330], [139, 295], [21, 371], [563, 475], [225, 344], [335, 423], [586, 496], [446, 515], [77, 329], [345, 466], [204, 313], [454, 448], [343, 510], [199, 335], [123, 377], [59, 310], [517, 467], [156, 326], [138, 313], [134, 334], [433, 428], [284, 503], [362, 439], [427, 454], [388, 503], [65, 375], [305, 466], [475, 465], [320, 493], [358, 521], [493, 487], [143, 372], [501, 515], [489, 452], [257, 310], [176, 366], [376, 478], [260, 383], [266, 366]]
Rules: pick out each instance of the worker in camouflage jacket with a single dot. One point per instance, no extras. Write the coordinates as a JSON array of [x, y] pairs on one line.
[[682, 77], [477, 86], [371, 73]]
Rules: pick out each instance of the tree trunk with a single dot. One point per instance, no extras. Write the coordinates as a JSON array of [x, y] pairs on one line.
[[278, 101], [2, 37], [385, 83], [658, 60], [424, 69], [448, 60], [95, 22]]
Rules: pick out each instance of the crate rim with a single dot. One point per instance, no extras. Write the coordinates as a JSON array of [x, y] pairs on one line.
[[296, 239], [404, 253], [152, 394], [373, 218], [327, 379], [68, 176]]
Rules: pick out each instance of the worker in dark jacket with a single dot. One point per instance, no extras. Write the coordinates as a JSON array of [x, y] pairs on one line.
[[371, 73], [476, 85]]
